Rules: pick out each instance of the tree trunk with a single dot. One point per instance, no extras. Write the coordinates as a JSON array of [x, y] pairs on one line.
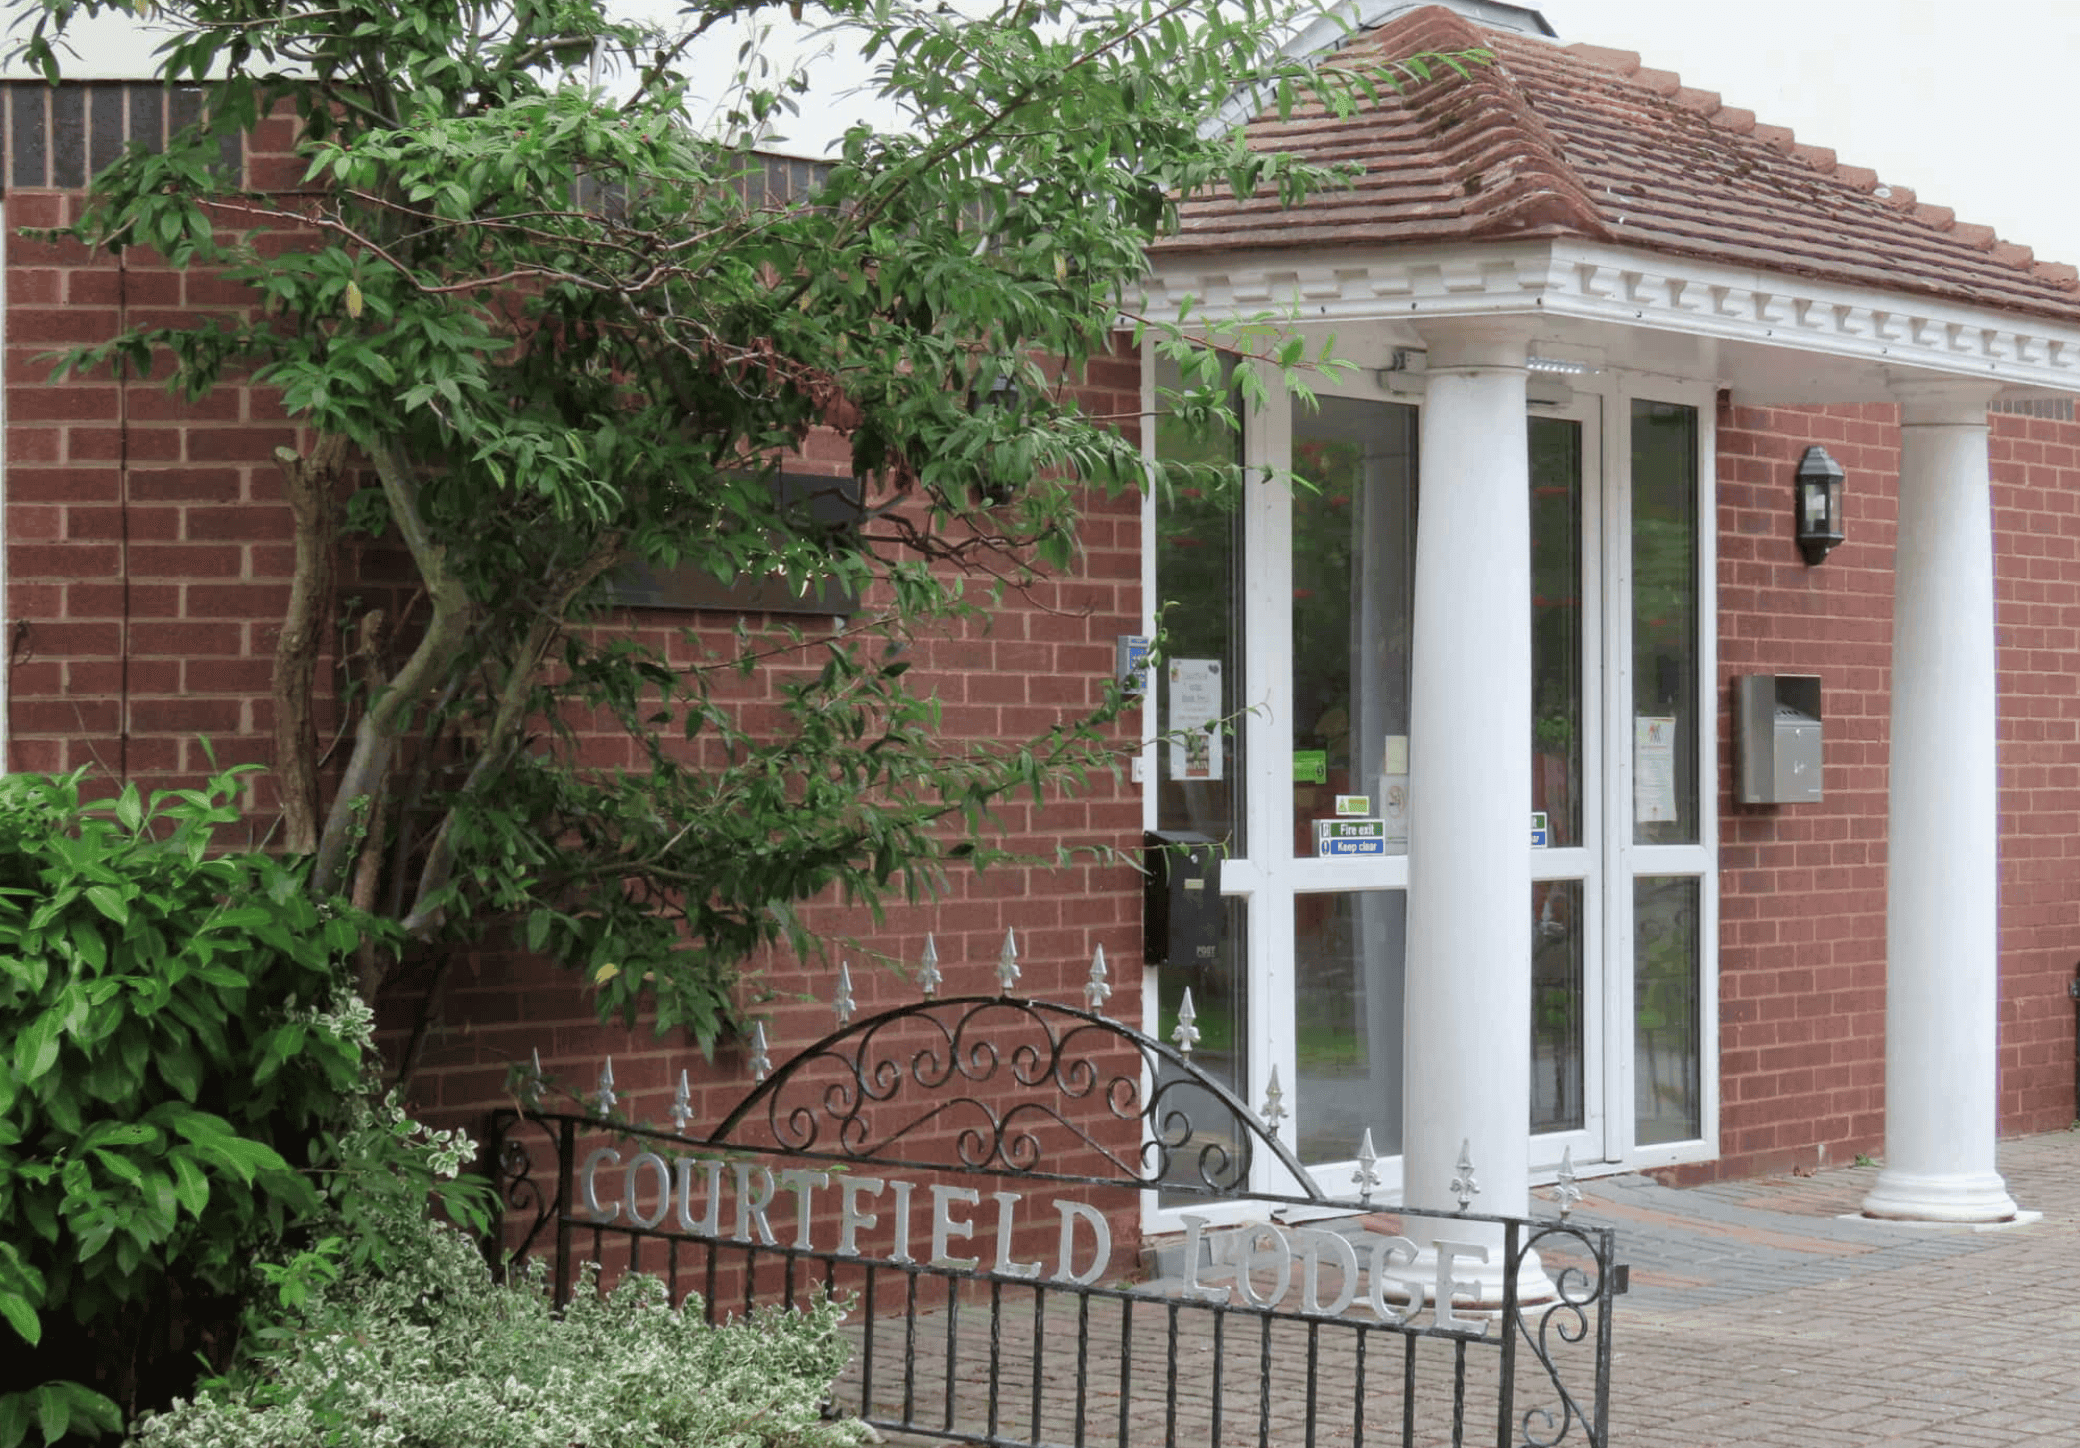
[[311, 485]]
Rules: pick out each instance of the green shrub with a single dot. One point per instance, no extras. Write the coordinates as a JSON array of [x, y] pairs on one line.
[[441, 1356], [177, 1068]]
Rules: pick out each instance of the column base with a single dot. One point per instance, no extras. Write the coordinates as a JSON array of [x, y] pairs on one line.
[[1947, 1197], [1480, 1283]]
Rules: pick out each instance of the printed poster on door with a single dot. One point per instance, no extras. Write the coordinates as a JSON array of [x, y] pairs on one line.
[[1653, 769], [1195, 715]]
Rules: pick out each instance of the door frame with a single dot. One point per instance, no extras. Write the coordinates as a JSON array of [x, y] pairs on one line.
[[1267, 875], [1590, 862], [1627, 860]]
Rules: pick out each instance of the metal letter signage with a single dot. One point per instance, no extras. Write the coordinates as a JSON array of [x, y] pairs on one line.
[[648, 1193]]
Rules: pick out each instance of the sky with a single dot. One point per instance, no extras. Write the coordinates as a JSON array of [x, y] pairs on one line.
[[1970, 102]]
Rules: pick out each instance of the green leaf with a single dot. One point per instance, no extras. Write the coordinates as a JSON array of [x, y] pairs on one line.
[[15, 1412], [109, 901], [21, 1316], [53, 1411], [190, 1186], [36, 1049], [182, 1068]]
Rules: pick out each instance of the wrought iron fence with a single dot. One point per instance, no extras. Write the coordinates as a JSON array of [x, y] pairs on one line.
[[984, 1313]]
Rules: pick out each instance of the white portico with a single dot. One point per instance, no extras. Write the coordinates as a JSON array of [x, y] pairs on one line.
[[1579, 349]]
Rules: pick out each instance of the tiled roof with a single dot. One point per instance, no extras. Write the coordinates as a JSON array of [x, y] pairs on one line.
[[1581, 142]]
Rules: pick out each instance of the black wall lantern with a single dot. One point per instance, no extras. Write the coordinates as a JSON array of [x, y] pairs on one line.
[[1817, 495]]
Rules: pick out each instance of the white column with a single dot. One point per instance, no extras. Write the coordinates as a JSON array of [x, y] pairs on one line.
[[1467, 1070], [1942, 981]]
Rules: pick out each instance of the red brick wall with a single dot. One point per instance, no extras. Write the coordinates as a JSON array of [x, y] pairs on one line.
[[1802, 894], [148, 561], [147, 548], [1802, 888], [2036, 516]]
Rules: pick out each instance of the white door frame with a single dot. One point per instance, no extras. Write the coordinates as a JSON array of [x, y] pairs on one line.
[[1266, 875]]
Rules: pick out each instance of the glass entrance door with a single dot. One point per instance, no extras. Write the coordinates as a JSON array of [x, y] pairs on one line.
[[1621, 858], [1352, 582], [1567, 817], [1299, 599]]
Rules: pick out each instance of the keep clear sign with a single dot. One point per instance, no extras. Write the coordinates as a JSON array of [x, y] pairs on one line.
[[1195, 715]]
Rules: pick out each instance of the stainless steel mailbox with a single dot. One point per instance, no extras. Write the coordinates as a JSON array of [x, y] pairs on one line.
[[1779, 737]]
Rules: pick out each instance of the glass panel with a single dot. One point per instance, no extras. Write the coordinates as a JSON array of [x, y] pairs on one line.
[[1354, 514], [1556, 627], [1198, 552], [1219, 997], [1557, 1042], [1347, 974], [1664, 623], [1667, 1072]]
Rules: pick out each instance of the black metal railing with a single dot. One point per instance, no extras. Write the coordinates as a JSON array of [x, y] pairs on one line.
[[987, 1306]]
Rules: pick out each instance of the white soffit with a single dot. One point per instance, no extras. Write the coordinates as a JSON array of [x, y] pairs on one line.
[[1770, 336]]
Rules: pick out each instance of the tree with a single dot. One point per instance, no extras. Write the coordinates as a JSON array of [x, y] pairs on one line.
[[556, 331]]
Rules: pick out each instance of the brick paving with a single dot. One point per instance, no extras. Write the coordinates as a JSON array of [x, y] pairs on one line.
[[1759, 1316], [1761, 1313]]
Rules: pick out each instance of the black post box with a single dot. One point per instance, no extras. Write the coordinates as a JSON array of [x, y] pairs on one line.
[[1181, 914]]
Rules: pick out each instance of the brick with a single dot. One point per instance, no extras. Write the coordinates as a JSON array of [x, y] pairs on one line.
[[61, 326], [186, 560], [187, 716], [237, 444], [187, 484], [63, 560], [61, 404], [240, 601]]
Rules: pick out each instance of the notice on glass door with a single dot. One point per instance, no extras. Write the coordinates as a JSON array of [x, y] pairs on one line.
[[1195, 718], [1653, 769]]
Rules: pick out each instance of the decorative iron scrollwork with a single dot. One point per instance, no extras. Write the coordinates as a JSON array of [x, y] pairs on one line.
[[1001, 1077], [1565, 1320], [518, 1192]]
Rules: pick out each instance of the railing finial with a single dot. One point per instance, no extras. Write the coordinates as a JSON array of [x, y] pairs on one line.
[[1187, 1033], [1366, 1177], [1464, 1186], [682, 1106], [1007, 964], [842, 1002], [1273, 1110], [604, 1099], [1565, 1190], [761, 1062], [928, 977], [1098, 989], [532, 1080]]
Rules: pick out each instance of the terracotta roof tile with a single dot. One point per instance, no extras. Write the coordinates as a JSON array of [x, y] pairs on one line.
[[1703, 102], [1582, 142], [1624, 62]]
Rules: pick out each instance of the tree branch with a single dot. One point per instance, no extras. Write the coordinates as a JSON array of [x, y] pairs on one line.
[[513, 703], [390, 712], [311, 485]]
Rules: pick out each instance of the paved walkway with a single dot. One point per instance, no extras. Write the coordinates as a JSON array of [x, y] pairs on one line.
[[1759, 1315]]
